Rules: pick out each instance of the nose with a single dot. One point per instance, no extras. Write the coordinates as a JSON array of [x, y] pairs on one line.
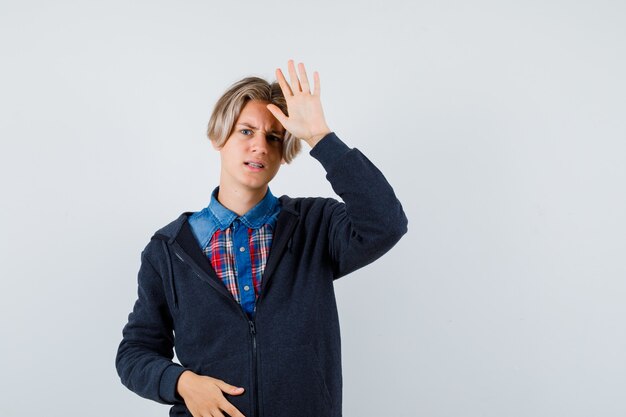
[[259, 143]]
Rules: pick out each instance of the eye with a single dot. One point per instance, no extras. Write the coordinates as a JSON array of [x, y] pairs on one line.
[[273, 138], [246, 132]]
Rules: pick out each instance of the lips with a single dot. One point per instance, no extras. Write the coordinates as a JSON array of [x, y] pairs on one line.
[[254, 164]]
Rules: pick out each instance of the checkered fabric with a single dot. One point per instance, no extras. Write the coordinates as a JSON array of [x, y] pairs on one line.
[[220, 252]]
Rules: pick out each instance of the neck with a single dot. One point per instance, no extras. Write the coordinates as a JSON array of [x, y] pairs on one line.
[[238, 200]]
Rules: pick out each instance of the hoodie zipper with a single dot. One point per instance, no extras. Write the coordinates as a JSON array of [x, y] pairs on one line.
[[255, 371], [252, 327]]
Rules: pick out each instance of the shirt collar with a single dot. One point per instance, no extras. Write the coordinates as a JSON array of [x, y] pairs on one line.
[[264, 212]]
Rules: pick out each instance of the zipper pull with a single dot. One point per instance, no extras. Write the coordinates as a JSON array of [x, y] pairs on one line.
[[252, 327]]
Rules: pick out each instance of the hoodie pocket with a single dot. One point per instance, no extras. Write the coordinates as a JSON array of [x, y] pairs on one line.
[[234, 370], [292, 384]]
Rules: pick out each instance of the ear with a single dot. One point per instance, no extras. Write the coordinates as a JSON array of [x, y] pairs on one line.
[[217, 148], [282, 161]]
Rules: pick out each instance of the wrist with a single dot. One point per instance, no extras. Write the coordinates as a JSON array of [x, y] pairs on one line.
[[314, 139], [183, 382]]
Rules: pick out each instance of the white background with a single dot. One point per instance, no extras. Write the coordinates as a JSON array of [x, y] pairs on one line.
[[501, 126]]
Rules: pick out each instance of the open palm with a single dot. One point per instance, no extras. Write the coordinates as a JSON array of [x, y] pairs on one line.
[[306, 117]]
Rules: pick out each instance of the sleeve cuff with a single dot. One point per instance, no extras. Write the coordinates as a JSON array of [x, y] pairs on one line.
[[329, 150], [169, 380]]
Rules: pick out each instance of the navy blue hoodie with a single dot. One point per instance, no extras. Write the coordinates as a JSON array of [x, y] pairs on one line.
[[288, 358]]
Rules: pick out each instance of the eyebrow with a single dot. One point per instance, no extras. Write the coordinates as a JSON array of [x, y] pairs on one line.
[[273, 132]]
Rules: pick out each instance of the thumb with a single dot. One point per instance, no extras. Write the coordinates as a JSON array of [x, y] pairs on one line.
[[230, 389], [278, 113]]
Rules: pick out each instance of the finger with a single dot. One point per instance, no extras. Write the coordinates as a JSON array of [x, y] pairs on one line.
[[304, 80], [293, 77], [231, 409], [229, 389], [282, 82], [316, 83], [278, 113], [216, 413]]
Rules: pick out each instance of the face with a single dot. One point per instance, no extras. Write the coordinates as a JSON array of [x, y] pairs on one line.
[[253, 152]]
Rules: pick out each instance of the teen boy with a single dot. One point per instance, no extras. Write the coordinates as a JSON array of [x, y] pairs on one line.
[[244, 288]]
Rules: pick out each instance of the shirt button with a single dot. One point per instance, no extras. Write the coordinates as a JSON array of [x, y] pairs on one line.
[[242, 249], [246, 287]]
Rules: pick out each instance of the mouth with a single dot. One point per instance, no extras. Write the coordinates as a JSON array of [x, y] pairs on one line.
[[253, 164]]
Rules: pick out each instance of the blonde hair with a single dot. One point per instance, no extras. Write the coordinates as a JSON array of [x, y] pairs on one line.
[[229, 106]]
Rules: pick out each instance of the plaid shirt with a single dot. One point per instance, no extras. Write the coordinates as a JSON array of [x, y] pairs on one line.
[[237, 246]]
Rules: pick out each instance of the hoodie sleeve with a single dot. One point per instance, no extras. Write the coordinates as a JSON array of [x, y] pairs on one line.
[[370, 221], [144, 357]]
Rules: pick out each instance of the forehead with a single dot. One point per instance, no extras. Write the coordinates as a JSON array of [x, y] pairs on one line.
[[256, 114]]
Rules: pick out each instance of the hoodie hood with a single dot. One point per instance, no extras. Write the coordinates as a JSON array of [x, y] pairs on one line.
[[172, 230]]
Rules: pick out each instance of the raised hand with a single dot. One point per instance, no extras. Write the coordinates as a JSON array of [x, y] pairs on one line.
[[306, 118]]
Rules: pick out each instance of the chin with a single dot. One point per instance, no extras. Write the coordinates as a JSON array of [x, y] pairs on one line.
[[255, 185]]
